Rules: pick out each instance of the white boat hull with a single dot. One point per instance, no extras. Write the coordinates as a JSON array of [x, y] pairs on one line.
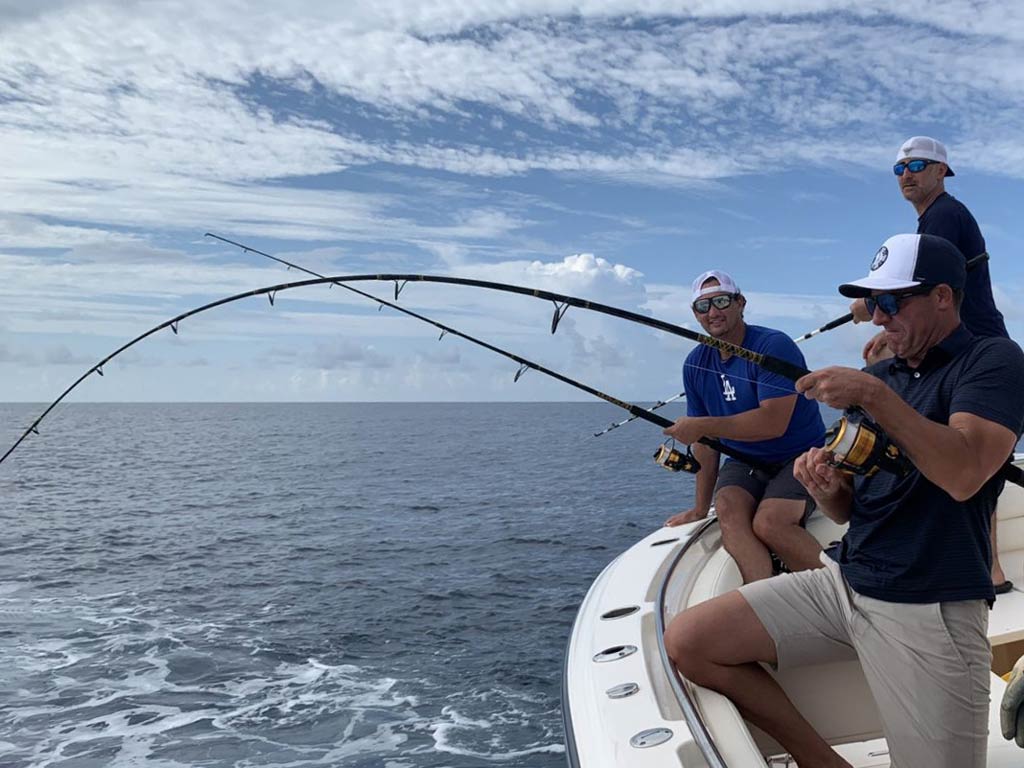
[[624, 705]]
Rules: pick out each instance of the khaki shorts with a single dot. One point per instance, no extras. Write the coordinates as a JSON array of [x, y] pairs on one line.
[[927, 664]]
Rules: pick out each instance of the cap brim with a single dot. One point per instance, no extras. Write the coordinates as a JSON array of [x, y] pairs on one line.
[[858, 289]]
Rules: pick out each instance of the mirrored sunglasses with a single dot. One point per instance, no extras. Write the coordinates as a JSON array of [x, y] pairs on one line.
[[889, 303], [914, 166], [703, 306]]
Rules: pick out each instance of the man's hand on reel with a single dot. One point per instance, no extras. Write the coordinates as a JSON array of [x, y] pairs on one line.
[[822, 480]]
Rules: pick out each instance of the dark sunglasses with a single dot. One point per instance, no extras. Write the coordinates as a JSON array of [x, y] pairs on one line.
[[703, 306], [914, 166], [889, 303]]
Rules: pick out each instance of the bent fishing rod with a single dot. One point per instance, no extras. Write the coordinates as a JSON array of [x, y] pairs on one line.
[[665, 456], [688, 463], [865, 446], [830, 325]]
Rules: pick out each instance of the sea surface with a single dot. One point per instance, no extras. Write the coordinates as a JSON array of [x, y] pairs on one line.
[[299, 585]]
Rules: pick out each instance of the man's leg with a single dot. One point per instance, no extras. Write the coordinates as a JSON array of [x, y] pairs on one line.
[[928, 669], [777, 524], [735, 509], [717, 645]]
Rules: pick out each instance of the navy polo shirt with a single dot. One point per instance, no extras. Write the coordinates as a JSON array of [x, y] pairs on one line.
[[949, 218], [716, 387], [909, 541]]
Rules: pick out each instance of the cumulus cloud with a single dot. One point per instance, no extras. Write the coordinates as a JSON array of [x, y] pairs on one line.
[[581, 274]]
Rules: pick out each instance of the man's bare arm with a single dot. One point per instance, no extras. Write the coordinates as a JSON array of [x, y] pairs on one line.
[[706, 479], [959, 457], [769, 420]]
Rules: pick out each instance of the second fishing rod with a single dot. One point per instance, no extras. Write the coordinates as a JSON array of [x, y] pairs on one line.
[[667, 455]]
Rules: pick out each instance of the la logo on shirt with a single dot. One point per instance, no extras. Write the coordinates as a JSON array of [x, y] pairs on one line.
[[728, 390]]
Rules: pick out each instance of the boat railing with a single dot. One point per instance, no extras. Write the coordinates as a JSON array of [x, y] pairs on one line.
[[698, 729]]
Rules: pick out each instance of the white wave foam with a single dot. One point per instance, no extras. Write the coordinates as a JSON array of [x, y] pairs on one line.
[[443, 739]]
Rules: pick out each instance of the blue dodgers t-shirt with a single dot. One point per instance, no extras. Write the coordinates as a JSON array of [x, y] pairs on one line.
[[909, 541], [949, 218], [716, 387]]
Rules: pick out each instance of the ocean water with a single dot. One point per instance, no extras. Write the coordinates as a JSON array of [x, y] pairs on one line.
[[306, 584]]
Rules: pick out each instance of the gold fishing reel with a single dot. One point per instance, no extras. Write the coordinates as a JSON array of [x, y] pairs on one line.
[[674, 460], [859, 446]]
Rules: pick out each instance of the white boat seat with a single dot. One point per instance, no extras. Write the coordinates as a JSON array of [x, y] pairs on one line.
[[1010, 533], [1005, 628]]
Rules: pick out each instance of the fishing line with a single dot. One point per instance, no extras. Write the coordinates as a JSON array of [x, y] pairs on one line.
[[788, 390]]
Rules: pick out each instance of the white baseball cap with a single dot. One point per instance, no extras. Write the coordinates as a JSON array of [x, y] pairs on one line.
[[925, 148], [725, 284], [907, 261]]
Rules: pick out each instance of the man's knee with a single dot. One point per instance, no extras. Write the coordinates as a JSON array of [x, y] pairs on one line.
[[732, 510], [773, 519], [686, 647], [722, 632], [680, 639]]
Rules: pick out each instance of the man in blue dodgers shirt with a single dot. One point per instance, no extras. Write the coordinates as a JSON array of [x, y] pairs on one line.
[[907, 591], [757, 413]]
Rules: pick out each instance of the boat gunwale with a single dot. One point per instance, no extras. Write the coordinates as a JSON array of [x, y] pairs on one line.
[[571, 755], [698, 729]]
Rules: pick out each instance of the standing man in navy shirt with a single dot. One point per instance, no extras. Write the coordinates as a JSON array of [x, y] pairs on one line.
[[760, 505], [907, 591], [921, 169]]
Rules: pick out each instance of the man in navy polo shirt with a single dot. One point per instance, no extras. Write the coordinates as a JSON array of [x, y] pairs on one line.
[[907, 590], [921, 169], [758, 414]]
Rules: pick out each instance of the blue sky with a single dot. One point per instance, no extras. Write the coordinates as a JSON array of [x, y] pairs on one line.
[[607, 149]]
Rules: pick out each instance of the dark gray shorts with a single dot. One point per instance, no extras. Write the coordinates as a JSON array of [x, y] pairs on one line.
[[764, 485]]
